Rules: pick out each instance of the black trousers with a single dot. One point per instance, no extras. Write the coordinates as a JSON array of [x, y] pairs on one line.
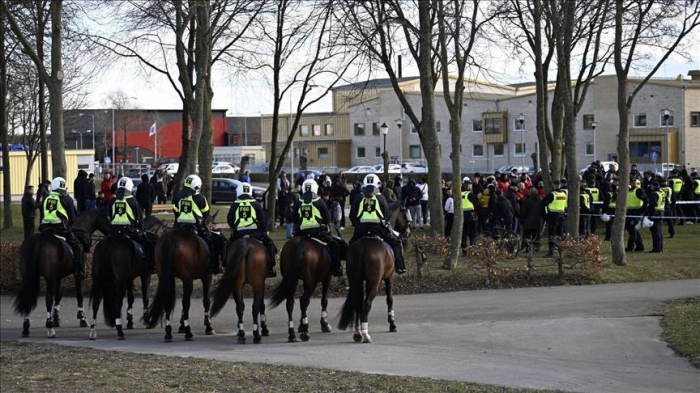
[[555, 227], [634, 241], [669, 221], [29, 226], [147, 210], [468, 229], [584, 225], [449, 221], [342, 213], [657, 238]]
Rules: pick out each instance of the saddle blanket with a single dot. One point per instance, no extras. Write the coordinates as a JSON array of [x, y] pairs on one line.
[[139, 249]]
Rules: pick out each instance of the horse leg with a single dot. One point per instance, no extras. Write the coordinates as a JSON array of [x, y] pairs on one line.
[[168, 328], [50, 292], [206, 283], [79, 297], [258, 298], [263, 320], [145, 283], [57, 305], [25, 326], [388, 284], [121, 289], [371, 289], [187, 287], [93, 325], [240, 308], [290, 317], [357, 336], [304, 305], [130, 305], [325, 326]]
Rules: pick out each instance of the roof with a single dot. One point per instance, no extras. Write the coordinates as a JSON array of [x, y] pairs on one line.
[[375, 83]]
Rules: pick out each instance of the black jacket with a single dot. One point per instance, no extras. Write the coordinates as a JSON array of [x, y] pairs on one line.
[[319, 204], [531, 213], [259, 213], [132, 202], [502, 208], [89, 190], [79, 185], [29, 206], [355, 208], [68, 204], [145, 193]]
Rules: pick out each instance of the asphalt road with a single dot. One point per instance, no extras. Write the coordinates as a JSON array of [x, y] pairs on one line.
[[601, 338]]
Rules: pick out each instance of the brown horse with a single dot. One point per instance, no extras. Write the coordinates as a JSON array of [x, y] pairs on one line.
[[179, 253], [245, 262], [45, 255], [303, 258], [115, 265], [370, 260]]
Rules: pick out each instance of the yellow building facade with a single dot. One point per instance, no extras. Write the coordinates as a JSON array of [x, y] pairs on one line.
[[18, 169]]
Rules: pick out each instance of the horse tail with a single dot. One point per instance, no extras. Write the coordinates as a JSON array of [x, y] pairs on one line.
[[353, 302], [31, 252], [164, 298], [224, 288], [288, 285]]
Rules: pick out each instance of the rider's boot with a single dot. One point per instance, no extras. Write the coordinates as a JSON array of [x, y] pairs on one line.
[[400, 265], [78, 262], [335, 261], [271, 250]]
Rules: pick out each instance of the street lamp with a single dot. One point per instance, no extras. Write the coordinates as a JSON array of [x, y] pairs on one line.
[[666, 113], [594, 125], [81, 138], [399, 123], [521, 121], [92, 130], [385, 130], [289, 129], [137, 153]]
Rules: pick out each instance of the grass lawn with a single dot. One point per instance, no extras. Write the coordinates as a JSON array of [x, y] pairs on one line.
[[681, 326], [34, 367]]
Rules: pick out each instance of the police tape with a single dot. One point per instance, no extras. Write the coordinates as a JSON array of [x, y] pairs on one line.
[[675, 203], [651, 217]]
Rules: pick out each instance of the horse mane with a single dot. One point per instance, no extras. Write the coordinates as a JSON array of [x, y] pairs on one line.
[[90, 221], [151, 223]]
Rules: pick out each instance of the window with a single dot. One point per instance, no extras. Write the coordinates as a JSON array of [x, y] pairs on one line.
[[643, 149], [414, 151], [492, 126], [413, 129], [360, 152], [316, 129], [517, 126], [663, 122], [437, 126], [375, 129], [360, 129], [329, 129], [477, 150], [695, 119], [588, 122], [477, 125], [589, 148], [322, 151], [377, 151], [520, 149], [640, 120], [304, 130], [498, 149]]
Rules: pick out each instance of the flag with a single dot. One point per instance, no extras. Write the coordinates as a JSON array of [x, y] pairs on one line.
[[152, 131]]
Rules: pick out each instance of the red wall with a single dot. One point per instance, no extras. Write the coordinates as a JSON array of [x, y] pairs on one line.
[[169, 137]]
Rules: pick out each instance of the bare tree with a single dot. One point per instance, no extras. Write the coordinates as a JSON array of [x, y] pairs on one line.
[[6, 181], [649, 24]]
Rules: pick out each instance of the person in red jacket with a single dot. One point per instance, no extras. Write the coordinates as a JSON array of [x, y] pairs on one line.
[[106, 187]]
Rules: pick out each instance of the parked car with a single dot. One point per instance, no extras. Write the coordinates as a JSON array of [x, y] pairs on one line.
[[224, 168], [606, 166], [393, 168], [412, 167], [509, 168], [135, 173], [224, 190], [359, 169], [303, 174]]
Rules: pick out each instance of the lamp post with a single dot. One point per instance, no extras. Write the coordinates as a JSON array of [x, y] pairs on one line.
[[289, 131], [666, 114], [92, 130], [81, 138], [521, 121], [594, 125], [399, 123], [385, 130], [137, 153]]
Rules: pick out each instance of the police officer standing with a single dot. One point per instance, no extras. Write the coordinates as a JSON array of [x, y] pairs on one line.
[[669, 202], [312, 218], [585, 208], [636, 206], [556, 203], [657, 202], [57, 215], [246, 217], [470, 204], [368, 214], [595, 206]]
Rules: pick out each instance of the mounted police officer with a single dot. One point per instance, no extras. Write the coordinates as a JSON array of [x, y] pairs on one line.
[[556, 203], [246, 217], [191, 212], [312, 218], [57, 215], [126, 219], [369, 212]]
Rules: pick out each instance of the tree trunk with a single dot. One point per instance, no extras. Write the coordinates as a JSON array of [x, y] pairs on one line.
[[206, 150], [58, 144], [428, 133], [184, 157], [6, 181], [456, 234], [43, 144]]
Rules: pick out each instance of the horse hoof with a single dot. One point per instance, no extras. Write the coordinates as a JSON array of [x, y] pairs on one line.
[[366, 339], [120, 338], [357, 337], [56, 322], [168, 338], [93, 334], [257, 339], [25, 334], [265, 332], [326, 328], [51, 334], [168, 334], [292, 339], [83, 323], [304, 337], [241, 340], [188, 337], [181, 329], [210, 332], [392, 329]]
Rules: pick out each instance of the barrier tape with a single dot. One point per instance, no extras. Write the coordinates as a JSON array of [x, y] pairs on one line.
[[676, 203]]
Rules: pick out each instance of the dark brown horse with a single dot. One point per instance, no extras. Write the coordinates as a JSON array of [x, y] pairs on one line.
[[369, 262], [45, 255], [246, 263], [115, 265], [179, 253], [303, 258]]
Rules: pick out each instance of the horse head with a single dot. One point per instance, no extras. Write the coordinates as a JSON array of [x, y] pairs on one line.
[[91, 221], [398, 218], [154, 225]]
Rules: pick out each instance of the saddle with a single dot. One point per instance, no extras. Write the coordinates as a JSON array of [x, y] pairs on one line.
[[66, 245]]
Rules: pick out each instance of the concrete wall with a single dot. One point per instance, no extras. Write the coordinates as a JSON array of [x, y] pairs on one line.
[[690, 138]]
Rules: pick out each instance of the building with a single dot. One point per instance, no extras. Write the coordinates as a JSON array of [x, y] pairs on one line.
[[243, 131], [75, 160]]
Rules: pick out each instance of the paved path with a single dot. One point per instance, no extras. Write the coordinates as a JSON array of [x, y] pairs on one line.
[[588, 338]]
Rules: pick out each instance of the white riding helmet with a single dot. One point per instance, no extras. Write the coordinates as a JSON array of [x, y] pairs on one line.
[[58, 183], [310, 176], [647, 223], [309, 185], [125, 183], [327, 182], [605, 217], [194, 183], [466, 179], [371, 180], [245, 189]]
